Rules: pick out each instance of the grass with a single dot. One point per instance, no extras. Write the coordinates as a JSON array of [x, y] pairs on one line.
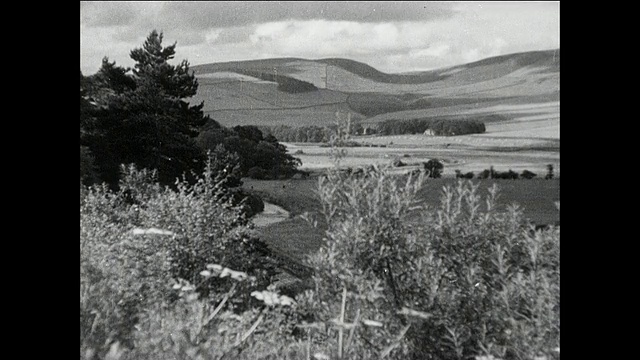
[[294, 237]]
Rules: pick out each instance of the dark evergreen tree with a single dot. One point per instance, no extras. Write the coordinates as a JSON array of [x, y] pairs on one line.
[[144, 118]]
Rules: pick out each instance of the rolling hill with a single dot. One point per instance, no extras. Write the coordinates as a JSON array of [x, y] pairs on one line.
[[501, 84]]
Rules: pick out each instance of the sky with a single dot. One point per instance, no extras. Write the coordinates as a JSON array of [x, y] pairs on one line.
[[391, 36]]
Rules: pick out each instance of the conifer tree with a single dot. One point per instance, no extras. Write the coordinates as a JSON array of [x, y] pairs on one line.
[[144, 117]]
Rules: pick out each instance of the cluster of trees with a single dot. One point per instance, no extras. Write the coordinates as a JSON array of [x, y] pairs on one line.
[[439, 127], [142, 116], [260, 156], [312, 134], [315, 134], [285, 83]]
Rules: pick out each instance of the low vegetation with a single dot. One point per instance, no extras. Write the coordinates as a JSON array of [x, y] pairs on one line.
[[178, 274], [491, 173]]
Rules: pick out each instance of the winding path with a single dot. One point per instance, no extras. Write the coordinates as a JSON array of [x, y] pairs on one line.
[[272, 214]]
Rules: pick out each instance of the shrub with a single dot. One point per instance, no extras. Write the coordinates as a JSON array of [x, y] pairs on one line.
[[132, 252], [461, 283], [253, 204], [467, 280], [257, 172], [485, 174], [398, 163], [526, 174], [460, 175], [549, 172], [434, 168]]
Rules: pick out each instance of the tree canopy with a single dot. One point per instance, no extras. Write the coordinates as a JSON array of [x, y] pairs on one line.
[[142, 117]]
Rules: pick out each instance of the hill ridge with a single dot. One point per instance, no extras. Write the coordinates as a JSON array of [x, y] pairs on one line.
[[549, 58]]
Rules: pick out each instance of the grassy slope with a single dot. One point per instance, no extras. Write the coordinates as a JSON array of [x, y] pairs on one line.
[[353, 86]]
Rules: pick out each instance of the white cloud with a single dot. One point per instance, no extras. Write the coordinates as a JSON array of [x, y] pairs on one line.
[[437, 51], [470, 31]]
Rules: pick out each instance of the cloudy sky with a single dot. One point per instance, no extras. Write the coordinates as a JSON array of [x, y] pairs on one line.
[[391, 36]]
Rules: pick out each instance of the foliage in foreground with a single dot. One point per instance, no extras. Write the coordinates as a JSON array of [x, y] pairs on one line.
[[138, 242], [144, 117], [461, 283]]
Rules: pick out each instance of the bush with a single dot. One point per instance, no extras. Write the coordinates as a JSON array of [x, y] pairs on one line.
[[460, 283], [257, 172], [549, 172], [132, 254], [398, 163], [460, 175], [252, 204], [526, 174], [434, 168]]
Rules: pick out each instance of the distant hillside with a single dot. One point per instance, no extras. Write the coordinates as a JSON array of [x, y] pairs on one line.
[[368, 72], [302, 92], [511, 62]]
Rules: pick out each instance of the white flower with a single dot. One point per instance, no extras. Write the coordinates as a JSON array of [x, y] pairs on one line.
[[205, 273], [371, 323], [286, 301], [215, 267]]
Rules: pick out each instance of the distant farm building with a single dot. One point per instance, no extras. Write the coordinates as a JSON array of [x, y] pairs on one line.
[[368, 130], [429, 132]]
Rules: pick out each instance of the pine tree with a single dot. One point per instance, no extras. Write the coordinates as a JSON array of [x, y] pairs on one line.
[[144, 117]]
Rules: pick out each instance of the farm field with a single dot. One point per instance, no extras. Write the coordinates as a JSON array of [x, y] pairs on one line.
[[295, 238], [528, 140], [465, 153]]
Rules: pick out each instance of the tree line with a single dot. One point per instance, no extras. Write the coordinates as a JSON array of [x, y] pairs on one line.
[[438, 127], [285, 83]]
